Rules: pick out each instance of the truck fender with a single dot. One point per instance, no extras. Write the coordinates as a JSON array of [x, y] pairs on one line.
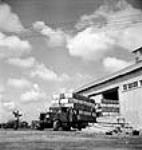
[[56, 124]]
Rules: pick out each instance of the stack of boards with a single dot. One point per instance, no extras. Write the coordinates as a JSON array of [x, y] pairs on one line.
[[86, 107], [110, 106]]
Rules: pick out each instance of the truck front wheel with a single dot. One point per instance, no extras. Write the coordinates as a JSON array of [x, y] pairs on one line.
[[56, 125]]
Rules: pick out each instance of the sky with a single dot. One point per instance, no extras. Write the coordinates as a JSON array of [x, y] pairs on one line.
[[48, 47]]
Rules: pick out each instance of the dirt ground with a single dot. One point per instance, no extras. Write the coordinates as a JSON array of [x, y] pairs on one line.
[[51, 140]]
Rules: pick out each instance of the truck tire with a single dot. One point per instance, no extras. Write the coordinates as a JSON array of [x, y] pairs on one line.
[[68, 128], [41, 126], [56, 125], [79, 126]]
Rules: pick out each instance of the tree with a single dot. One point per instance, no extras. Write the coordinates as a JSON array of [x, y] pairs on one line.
[[17, 116]]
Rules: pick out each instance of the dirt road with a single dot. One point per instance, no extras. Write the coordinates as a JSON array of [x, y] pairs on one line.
[[51, 140]]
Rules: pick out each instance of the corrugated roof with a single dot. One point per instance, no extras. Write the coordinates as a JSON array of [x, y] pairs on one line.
[[114, 75], [139, 49]]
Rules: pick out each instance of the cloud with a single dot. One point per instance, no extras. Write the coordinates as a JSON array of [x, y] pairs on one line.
[[22, 62], [2, 88], [80, 76], [130, 39], [33, 95], [111, 14], [114, 24], [37, 70], [19, 83], [73, 82], [55, 37], [9, 21], [113, 64], [89, 45], [1, 96], [64, 77], [13, 46], [44, 73], [9, 106]]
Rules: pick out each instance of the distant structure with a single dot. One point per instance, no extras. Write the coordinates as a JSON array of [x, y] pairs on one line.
[[138, 54], [120, 94], [17, 116]]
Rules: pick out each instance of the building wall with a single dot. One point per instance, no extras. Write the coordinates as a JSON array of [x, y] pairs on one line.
[[131, 102], [110, 84]]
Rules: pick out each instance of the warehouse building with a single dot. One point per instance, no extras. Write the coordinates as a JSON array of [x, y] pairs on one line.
[[120, 93]]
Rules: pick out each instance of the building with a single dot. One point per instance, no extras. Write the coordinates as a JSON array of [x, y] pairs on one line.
[[120, 93]]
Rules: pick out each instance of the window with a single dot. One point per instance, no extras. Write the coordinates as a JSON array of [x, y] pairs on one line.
[[140, 82], [125, 87], [136, 84], [133, 85], [130, 85]]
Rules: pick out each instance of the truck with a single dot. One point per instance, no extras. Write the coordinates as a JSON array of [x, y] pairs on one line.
[[69, 111]]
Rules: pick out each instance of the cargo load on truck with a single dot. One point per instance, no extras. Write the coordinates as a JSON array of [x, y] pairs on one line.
[[70, 111]]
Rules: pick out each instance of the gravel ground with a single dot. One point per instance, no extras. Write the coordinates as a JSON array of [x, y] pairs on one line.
[[51, 140]]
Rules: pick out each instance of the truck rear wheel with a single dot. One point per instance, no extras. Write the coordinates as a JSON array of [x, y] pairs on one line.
[[41, 127], [79, 128], [56, 125]]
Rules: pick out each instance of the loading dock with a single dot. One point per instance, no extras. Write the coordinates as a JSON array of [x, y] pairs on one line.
[[120, 93]]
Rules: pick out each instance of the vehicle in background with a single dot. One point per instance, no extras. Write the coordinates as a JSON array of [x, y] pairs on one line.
[[11, 125]]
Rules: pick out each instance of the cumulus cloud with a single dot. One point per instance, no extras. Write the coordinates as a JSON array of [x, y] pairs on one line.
[[12, 46], [78, 79], [1, 92], [6, 106], [22, 62], [55, 37], [44, 73], [9, 106], [80, 76], [2, 88], [9, 21], [130, 39], [64, 77], [89, 44], [114, 24], [19, 83], [1, 95], [112, 64], [37, 70], [33, 95]]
